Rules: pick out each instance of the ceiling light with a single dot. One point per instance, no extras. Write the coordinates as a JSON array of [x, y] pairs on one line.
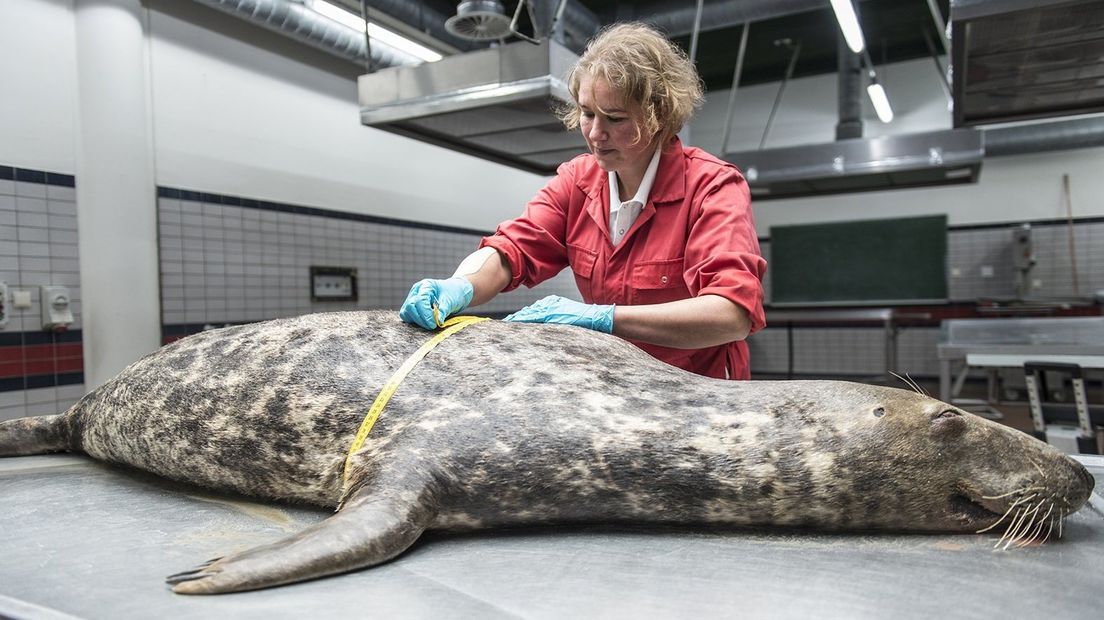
[[849, 24], [879, 99], [376, 32]]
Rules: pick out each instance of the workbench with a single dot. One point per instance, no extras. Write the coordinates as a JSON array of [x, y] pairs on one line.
[[82, 539]]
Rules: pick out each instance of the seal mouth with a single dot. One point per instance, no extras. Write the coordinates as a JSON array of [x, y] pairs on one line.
[[975, 511]]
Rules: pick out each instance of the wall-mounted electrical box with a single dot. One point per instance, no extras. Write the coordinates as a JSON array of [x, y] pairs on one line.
[[57, 313], [333, 284]]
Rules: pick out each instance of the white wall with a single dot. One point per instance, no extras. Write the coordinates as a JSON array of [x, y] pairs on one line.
[[231, 116], [1016, 188], [38, 92], [234, 118]]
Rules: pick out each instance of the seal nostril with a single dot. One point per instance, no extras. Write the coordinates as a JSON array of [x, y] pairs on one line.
[[879, 412]]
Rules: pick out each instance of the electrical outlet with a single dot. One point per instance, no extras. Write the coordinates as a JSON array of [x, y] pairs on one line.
[[956, 272], [987, 271], [1036, 283]]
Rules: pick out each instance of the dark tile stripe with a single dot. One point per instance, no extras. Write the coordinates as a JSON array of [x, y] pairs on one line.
[[42, 177], [30, 176], [265, 205], [70, 378]]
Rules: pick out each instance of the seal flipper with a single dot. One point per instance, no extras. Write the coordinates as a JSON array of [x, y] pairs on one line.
[[371, 528], [36, 435]]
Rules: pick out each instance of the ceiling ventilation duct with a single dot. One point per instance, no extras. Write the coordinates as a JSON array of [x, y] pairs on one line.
[[495, 103], [863, 164], [1022, 59]]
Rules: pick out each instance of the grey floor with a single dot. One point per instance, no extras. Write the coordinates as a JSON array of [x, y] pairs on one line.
[[81, 539]]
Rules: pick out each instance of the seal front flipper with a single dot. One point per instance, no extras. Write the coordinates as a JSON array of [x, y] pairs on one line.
[[371, 528]]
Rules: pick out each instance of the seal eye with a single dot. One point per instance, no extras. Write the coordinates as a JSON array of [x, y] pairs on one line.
[[879, 412], [948, 413]]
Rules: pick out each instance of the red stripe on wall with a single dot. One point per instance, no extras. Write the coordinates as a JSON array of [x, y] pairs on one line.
[[69, 364], [39, 367], [41, 359], [11, 369]]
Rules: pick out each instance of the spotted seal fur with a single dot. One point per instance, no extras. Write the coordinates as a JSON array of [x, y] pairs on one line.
[[507, 424]]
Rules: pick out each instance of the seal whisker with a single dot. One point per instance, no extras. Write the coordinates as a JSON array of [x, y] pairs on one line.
[[1034, 536], [1004, 495], [912, 385], [1007, 531], [1050, 528], [1022, 536], [1023, 522], [1014, 535], [998, 521], [918, 386]]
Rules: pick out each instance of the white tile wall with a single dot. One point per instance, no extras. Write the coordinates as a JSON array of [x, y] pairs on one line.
[[226, 263], [38, 246]]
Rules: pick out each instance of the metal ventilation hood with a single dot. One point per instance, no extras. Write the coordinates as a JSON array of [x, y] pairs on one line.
[[863, 164], [1022, 59], [495, 103]]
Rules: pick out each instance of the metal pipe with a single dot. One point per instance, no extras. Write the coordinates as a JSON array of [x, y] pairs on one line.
[[781, 89], [1062, 135], [368, 65], [735, 84], [695, 32], [849, 100], [302, 24], [940, 26], [938, 67]]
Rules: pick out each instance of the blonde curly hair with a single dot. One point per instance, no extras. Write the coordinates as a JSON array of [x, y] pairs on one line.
[[653, 75]]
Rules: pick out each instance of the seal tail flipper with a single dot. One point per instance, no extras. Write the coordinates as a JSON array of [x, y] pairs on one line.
[[37, 435], [369, 530]]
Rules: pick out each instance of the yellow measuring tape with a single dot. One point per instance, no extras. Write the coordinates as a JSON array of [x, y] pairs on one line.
[[450, 326]]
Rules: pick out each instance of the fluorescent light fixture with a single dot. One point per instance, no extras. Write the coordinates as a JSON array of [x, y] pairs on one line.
[[377, 33], [880, 101], [849, 24]]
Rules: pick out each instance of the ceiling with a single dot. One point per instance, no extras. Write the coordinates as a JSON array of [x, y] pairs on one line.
[[894, 29]]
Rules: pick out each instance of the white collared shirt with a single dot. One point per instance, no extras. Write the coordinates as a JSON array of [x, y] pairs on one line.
[[623, 214]]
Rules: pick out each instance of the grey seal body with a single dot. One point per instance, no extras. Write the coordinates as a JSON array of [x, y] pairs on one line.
[[507, 424]]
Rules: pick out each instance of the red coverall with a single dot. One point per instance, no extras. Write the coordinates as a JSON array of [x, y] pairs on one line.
[[696, 236]]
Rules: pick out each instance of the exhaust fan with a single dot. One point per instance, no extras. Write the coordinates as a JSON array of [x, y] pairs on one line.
[[479, 20]]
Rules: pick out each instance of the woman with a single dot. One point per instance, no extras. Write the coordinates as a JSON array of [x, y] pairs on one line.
[[660, 237]]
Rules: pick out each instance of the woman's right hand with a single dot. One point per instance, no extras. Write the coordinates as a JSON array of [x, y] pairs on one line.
[[450, 296]]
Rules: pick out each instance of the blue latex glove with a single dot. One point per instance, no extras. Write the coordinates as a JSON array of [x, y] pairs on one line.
[[556, 309], [450, 296]]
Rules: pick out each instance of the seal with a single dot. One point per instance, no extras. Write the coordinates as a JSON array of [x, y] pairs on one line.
[[506, 424]]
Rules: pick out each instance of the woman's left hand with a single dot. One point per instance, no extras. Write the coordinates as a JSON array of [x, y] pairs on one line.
[[556, 309]]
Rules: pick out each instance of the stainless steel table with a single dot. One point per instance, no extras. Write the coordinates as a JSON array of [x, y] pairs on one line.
[[887, 318], [81, 539], [1032, 337]]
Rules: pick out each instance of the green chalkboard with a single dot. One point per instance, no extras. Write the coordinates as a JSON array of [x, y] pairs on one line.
[[900, 260]]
